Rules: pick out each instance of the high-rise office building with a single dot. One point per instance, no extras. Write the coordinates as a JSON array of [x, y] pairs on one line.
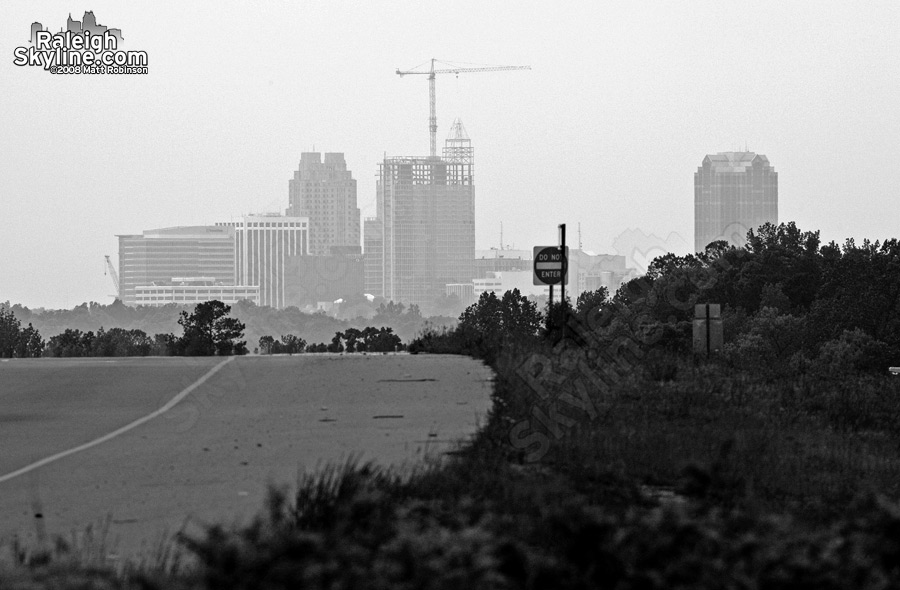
[[423, 235], [733, 192], [159, 255], [263, 245], [325, 192]]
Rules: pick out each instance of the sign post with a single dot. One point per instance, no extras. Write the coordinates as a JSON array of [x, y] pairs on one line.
[[551, 268], [565, 263]]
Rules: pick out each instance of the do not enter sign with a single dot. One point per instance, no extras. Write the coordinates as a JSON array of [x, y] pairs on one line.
[[549, 265]]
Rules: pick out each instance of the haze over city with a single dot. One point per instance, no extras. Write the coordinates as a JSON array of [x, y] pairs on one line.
[[620, 107]]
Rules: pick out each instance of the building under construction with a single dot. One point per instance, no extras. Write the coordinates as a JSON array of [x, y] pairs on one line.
[[423, 235]]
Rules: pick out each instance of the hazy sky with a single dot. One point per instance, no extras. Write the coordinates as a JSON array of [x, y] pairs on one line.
[[623, 101]]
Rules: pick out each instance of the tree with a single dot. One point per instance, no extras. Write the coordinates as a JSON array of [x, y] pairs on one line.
[[381, 340], [30, 343], [520, 317], [591, 305], [336, 345], [352, 335], [266, 343], [209, 331], [71, 343], [291, 344], [121, 342], [164, 345], [590, 300], [512, 318], [16, 341]]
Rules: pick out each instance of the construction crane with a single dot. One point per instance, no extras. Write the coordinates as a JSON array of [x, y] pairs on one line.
[[451, 70], [113, 274]]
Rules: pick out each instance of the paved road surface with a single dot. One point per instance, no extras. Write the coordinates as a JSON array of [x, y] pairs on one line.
[[211, 456]]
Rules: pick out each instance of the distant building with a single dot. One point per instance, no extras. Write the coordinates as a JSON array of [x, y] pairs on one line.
[[193, 290], [263, 246], [501, 282], [587, 272], [733, 192], [490, 261], [157, 255], [325, 192], [423, 236], [310, 280], [464, 292]]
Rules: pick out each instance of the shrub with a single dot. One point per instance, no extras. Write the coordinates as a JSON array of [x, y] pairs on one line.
[[853, 352]]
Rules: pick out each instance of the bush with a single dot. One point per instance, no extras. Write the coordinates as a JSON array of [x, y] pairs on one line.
[[853, 352]]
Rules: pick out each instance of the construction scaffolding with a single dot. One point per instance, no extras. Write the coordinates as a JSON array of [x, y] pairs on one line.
[[423, 236]]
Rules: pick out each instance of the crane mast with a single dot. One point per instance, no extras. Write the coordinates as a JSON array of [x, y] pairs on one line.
[[113, 275], [432, 120]]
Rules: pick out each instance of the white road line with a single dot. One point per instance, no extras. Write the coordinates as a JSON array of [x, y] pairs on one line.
[[107, 437]]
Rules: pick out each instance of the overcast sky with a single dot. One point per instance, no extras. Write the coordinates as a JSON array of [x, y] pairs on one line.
[[622, 103]]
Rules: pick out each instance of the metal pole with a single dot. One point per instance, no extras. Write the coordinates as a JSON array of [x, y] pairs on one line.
[[550, 311], [565, 263]]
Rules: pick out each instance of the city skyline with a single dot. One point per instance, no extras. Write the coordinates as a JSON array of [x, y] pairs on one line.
[[606, 129]]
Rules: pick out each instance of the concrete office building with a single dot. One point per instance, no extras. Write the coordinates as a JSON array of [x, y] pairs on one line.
[[158, 255], [325, 192], [501, 282], [263, 245], [423, 236], [494, 260], [733, 192], [193, 290]]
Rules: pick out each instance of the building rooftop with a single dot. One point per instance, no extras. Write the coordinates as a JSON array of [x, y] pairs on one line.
[[186, 232], [734, 161]]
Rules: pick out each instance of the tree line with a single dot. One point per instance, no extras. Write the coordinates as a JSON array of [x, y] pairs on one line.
[[789, 304], [368, 339], [259, 320], [207, 331]]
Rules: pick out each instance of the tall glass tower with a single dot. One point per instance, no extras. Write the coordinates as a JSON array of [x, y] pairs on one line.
[[734, 192]]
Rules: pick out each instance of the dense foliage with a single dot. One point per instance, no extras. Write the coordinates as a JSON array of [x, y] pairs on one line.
[[486, 327], [209, 331], [369, 339], [16, 341], [112, 342], [259, 321], [786, 300]]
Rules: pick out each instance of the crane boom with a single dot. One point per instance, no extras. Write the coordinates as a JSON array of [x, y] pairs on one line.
[[464, 70], [432, 120], [113, 275]]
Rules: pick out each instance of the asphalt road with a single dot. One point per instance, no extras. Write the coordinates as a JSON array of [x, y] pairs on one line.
[[141, 449]]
